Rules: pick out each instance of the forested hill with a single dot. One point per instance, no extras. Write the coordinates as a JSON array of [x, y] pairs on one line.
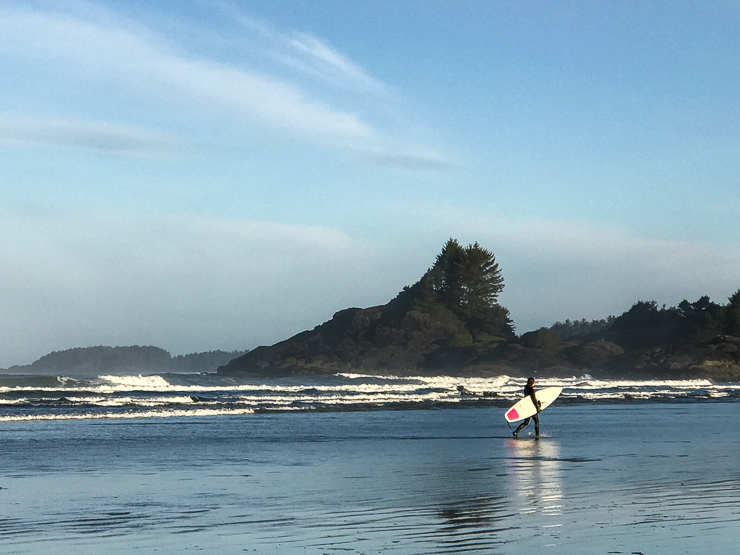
[[95, 361], [699, 339], [449, 322]]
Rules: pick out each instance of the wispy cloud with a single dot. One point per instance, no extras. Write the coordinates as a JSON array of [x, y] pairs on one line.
[[308, 54], [81, 134], [322, 60], [407, 158], [145, 64]]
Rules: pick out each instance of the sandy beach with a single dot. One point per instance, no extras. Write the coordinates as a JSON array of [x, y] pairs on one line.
[[655, 478]]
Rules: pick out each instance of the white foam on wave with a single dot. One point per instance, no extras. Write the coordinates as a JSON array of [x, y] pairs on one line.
[[136, 382], [501, 385], [105, 401], [153, 395], [338, 400], [179, 413], [352, 376], [111, 384], [439, 381], [623, 384], [19, 401], [137, 401], [132, 383]]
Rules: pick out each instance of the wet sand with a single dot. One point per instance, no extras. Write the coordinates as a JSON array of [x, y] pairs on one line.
[[658, 478]]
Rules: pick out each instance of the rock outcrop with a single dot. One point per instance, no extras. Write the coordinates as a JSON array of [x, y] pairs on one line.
[[354, 340], [450, 323], [365, 341]]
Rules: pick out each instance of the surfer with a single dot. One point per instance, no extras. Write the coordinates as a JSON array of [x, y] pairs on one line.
[[529, 390]]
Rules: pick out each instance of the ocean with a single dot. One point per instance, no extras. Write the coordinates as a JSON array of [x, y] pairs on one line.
[[177, 463], [195, 395]]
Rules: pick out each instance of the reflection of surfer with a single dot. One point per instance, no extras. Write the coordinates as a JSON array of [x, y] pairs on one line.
[[529, 390]]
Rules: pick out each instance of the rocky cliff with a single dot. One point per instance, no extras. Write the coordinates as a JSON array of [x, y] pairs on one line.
[[356, 341]]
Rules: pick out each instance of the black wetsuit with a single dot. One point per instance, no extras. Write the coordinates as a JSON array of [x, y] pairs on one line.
[[529, 390]]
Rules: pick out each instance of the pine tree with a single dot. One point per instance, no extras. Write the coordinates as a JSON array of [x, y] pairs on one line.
[[468, 279], [444, 275], [480, 279], [464, 284]]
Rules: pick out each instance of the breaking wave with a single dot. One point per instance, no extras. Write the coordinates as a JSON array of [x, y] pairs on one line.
[[29, 398]]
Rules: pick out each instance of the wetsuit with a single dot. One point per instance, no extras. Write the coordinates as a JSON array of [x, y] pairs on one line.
[[529, 390]]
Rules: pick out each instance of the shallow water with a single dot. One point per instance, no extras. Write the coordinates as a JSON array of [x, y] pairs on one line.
[[652, 478]]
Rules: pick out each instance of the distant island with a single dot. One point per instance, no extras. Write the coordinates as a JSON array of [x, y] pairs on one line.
[[449, 322], [95, 361]]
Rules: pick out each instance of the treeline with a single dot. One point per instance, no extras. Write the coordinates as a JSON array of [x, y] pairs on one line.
[[582, 328], [646, 324], [116, 360]]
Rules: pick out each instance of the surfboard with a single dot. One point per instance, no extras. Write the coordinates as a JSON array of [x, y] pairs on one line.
[[525, 407]]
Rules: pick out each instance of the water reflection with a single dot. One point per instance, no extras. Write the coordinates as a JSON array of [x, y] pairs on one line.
[[473, 513], [481, 513], [535, 476]]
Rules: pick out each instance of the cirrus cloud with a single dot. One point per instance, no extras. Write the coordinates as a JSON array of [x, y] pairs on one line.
[[83, 134], [145, 68]]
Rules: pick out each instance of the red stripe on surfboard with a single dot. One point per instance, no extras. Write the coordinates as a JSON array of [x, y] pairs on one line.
[[512, 414]]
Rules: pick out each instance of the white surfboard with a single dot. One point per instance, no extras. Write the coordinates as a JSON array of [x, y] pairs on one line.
[[525, 407]]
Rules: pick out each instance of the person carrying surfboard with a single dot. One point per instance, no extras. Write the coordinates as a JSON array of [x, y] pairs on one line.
[[529, 391]]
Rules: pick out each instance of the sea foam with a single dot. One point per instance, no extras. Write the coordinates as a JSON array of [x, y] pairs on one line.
[[136, 382], [186, 395]]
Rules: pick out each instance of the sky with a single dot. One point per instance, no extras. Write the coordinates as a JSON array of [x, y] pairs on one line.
[[202, 175]]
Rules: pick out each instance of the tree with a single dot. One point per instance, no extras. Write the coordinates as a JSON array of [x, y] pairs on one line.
[[732, 315], [647, 325], [468, 279], [463, 284], [444, 276], [480, 279], [702, 320], [582, 327]]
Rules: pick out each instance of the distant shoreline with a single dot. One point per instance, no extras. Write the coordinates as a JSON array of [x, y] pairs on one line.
[[135, 359]]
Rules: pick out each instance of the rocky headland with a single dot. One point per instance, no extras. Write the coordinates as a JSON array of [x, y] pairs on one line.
[[450, 323]]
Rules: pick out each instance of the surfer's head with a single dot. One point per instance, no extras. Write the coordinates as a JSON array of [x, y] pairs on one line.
[[530, 381]]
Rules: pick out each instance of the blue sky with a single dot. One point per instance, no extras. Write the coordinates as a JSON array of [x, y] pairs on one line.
[[218, 175]]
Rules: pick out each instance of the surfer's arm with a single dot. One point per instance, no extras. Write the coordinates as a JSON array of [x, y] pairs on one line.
[[537, 404]]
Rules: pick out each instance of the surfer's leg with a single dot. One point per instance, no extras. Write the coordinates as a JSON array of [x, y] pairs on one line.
[[526, 421], [536, 424]]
